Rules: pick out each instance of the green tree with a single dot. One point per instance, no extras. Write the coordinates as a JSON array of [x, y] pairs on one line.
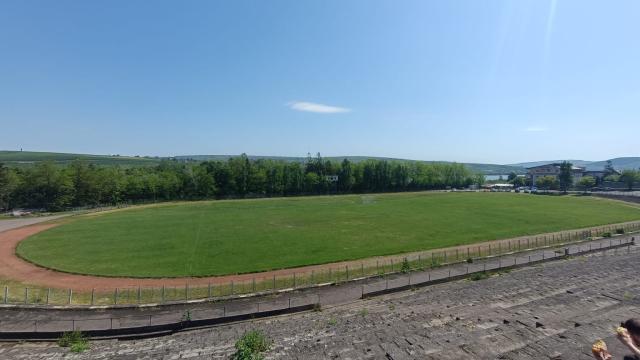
[[9, 182], [205, 184], [608, 169], [345, 176], [518, 181], [479, 179], [587, 182], [629, 177], [546, 182], [565, 178], [85, 183], [46, 186]]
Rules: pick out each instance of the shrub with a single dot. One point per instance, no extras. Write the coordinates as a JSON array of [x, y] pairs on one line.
[[620, 231], [405, 266], [479, 276], [251, 345], [74, 340], [606, 234]]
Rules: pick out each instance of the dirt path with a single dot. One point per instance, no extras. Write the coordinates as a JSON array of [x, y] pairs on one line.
[[14, 268]]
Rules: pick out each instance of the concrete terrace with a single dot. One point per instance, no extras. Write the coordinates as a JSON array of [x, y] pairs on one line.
[[553, 310]]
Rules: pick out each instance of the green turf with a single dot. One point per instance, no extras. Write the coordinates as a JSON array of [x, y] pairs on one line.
[[223, 237]]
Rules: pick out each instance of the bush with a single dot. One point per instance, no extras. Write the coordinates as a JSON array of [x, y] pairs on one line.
[[479, 276], [619, 231], [251, 345], [606, 234], [74, 340], [405, 268]]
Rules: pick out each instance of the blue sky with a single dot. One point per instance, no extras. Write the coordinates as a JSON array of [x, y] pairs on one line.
[[464, 80]]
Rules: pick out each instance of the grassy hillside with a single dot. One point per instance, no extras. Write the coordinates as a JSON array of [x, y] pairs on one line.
[[27, 158], [225, 237], [618, 163]]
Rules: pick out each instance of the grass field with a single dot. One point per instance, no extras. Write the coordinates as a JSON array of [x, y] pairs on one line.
[[224, 237]]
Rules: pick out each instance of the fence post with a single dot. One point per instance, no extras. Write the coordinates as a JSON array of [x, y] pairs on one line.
[[93, 291], [163, 294], [115, 297], [26, 295], [274, 282], [362, 268], [254, 284], [186, 291], [232, 288], [70, 296], [347, 267], [48, 293]]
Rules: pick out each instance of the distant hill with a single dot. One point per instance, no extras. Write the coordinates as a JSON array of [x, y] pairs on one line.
[[488, 169], [28, 158], [620, 163]]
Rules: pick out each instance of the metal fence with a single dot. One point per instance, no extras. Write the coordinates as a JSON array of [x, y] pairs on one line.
[[221, 312], [255, 284]]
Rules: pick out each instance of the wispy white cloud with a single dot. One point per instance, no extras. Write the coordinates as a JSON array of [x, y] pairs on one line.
[[536, 129], [316, 108]]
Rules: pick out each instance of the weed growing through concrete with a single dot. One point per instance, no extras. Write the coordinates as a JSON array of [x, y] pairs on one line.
[[479, 276], [251, 346], [74, 340]]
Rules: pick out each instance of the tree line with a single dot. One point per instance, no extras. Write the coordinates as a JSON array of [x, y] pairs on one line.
[[51, 187]]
